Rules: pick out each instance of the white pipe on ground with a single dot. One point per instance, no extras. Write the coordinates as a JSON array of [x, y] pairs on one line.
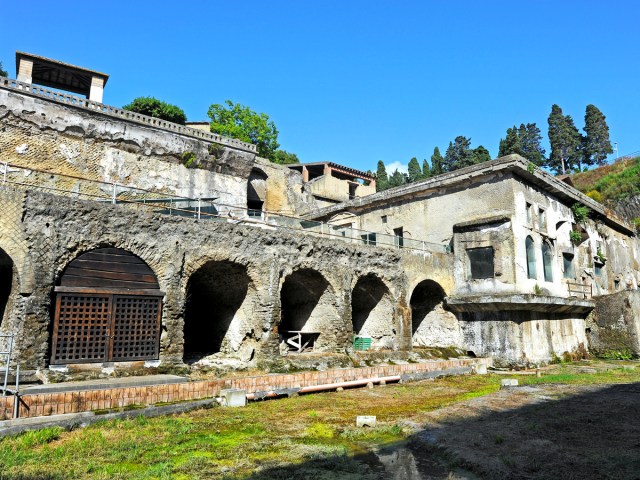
[[333, 386]]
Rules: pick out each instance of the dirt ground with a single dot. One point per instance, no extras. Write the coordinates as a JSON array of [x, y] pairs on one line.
[[543, 431]]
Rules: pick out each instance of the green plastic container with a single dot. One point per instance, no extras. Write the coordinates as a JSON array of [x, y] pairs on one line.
[[361, 343]]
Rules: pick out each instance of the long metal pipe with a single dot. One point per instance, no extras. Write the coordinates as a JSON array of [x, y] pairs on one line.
[[332, 386]]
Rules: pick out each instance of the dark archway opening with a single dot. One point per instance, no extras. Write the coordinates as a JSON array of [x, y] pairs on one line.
[[425, 297], [215, 293], [256, 192], [6, 282], [299, 298]]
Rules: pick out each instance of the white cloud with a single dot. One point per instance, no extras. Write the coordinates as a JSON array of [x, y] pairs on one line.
[[393, 166]]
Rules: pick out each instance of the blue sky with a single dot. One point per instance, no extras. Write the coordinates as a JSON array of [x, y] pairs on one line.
[[355, 81]]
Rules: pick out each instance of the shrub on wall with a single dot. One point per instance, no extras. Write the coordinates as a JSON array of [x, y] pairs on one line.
[[156, 108]]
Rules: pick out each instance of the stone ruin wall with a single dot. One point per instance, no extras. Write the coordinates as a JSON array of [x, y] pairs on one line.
[[44, 135], [56, 230]]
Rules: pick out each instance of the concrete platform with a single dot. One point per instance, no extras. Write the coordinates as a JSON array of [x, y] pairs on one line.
[[102, 384]]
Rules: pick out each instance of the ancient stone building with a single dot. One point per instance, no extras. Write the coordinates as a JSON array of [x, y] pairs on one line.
[[129, 242]]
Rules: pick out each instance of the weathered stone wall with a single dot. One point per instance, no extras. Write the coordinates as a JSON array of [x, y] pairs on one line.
[[614, 325], [57, 229], [619, 270], [44, 135], [431, 216], [522, 337]]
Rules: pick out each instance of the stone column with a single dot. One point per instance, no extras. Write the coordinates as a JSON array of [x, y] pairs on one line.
[[25, 71], [305, 174], [97, 89]]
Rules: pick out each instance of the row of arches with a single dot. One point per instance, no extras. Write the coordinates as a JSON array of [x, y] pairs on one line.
[[108, 306]]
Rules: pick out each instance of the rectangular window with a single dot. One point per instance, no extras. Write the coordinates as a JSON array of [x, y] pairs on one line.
[[542, 219], [567, 263], [369, 238], [529, 214], [399, 237], [480, 262], [383, 218], [597, 269]]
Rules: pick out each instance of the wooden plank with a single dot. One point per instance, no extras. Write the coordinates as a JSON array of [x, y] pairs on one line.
[[111, 266], [111, 257], [125, 276], [107, 291], [102, 282]]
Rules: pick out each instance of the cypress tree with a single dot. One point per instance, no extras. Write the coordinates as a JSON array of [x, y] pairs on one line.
[[565, 140], [480, 154], [382, 180], [426, 170], [458, 154], [415, 173], [510, 144], [529, 138], [597, 144], [436, 162], [3, 73], [397, 178]]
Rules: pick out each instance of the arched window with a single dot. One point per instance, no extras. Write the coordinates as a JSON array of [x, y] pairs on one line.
[[547, 261], [531, 258]]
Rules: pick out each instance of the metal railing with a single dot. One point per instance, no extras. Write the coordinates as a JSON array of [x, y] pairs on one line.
[[81, 102], [198, 208]]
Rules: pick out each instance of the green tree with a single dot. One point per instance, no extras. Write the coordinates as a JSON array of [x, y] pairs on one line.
[[480, 154], [597, 144], [524, 141], [382, 179], [436, 162], [510, 143], [3, 73], [415, 172], [565, 140], [458, 154], [397, 178], [529, 136], [156, 108], [426, 169], [283, 157], [237, 121]]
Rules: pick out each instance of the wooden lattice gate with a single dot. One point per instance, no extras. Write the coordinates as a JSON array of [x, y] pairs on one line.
[[108, 308]]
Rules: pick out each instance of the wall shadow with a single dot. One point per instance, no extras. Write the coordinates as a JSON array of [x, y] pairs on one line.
[[299, 297], [215, 292], [424, 299], [591, 435], [6, 281], [366, 296]]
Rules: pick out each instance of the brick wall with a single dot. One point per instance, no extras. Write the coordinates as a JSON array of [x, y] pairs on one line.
[[81, 401]]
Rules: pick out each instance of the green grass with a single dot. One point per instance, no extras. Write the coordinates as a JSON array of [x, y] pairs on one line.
[[233, 443], [614, 182]]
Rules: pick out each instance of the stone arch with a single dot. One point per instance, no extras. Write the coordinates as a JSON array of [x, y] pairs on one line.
[[256, 192], [308, 304], [219, 311], [9, 284], [431, 324], [108, 306], [372, 311]]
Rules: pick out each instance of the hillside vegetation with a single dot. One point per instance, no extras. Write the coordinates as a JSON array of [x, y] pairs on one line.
[[613, 182]]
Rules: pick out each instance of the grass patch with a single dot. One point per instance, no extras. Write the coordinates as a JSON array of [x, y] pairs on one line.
[[311, 436]]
